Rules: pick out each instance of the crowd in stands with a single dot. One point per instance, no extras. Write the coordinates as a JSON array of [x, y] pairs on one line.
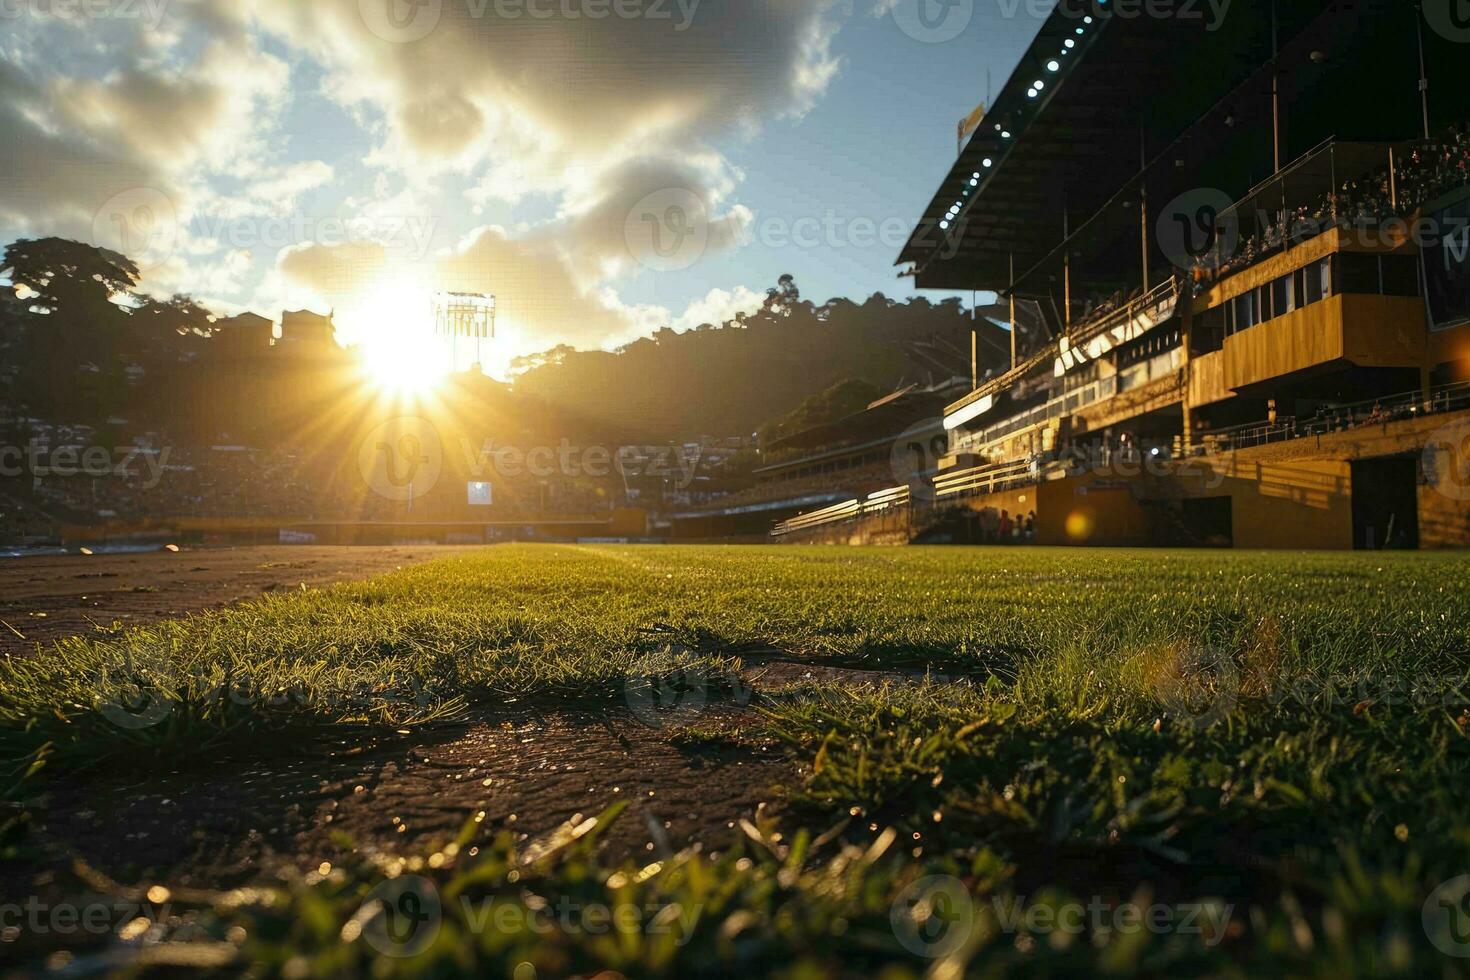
[[199, 482], [153, 478], [1430, 170]]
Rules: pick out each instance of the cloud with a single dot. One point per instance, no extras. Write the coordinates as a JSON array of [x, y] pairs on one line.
[[537, 295], [719, 306], [334, 273], [539, 298], [283, 188], [156, 138], [54, 178], [116, 137], [561, 84], [654, 214]]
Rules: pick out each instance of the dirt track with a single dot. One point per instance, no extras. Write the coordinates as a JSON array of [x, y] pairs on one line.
[[527, 768], [45, 598]]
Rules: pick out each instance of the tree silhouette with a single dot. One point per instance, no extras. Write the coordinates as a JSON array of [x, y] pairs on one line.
[[731, 379], [71, 347]]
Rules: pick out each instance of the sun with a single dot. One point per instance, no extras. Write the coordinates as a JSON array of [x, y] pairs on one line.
[[394, 332]]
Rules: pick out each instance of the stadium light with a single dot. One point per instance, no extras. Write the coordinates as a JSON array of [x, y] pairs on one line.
[[468, 315], [1053, 65]]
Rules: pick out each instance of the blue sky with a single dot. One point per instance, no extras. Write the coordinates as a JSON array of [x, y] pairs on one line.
[[876, 146], [604, 167]]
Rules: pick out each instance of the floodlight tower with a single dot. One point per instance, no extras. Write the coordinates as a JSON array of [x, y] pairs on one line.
[[464, 315]]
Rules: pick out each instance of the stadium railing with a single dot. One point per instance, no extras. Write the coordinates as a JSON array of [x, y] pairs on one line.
[[973, 482], [1372, 411], [990, 478], [894, 498]]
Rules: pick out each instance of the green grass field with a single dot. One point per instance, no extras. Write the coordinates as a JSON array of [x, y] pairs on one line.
[[1041, 761]]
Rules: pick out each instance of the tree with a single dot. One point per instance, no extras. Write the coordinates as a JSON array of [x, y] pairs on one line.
[[783, 297], [71, 340], [549, 358], [729, 380], [68, 275], [178, 316]]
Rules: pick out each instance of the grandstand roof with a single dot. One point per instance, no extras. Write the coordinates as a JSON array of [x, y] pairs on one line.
[[876, 424], [1175, 101]]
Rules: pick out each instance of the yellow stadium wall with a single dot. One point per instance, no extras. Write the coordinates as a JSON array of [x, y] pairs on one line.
[[1017, 502], [1299, 503], [1086, 510], [1298, 494], [1444, 522], [1452, 346], [1370, 331], [1207, 379]]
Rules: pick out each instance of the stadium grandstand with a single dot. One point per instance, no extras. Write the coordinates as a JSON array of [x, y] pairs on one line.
[[823, 464], [1246, 238]]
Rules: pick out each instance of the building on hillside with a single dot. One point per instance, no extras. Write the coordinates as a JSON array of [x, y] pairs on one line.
[[248, 335], [1247, 239], [305, 332]]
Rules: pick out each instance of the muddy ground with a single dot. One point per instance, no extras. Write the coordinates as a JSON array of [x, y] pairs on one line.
[[528, 771], [43, 598]]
